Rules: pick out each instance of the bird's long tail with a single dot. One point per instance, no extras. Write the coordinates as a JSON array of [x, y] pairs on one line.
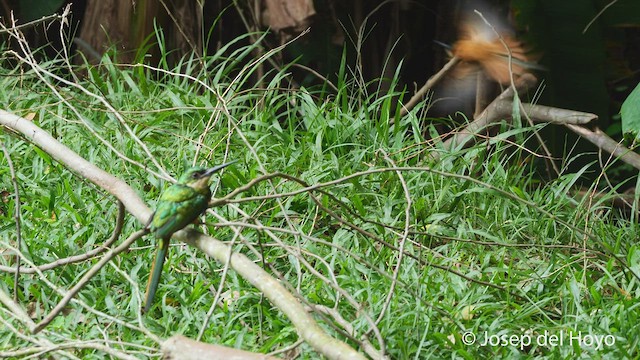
[[156, 272]]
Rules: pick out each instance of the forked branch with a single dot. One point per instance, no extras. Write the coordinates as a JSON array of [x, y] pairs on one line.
[[285, 301]]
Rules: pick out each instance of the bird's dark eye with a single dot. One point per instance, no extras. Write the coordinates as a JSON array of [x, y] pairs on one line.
[[196, 174]]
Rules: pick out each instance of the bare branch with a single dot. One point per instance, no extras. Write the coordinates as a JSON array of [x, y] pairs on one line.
[[604, 142], [86, 170], [183, 348], [541, 113]]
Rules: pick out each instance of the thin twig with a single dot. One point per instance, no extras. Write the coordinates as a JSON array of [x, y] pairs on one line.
[[15, 309], [30, 23], [87, 277], [428, 85], [598, 15], [136, 292], [16, 216], [81, 257], [506, 47], [500, 191], [401, 242], [30, 60], [324, 79], [42, 350], [353, 255], [214, 303], [339, 289], [516, 97], [194, 48], [338, 318], [21, 334], [286, 349]]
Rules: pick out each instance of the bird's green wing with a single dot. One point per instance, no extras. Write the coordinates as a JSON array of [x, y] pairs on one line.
[[178, 206], [167, 213]]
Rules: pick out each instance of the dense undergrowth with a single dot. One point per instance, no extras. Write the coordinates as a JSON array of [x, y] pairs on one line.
[[488, 248]]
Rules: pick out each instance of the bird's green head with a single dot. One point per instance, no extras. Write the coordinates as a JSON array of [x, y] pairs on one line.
[[198, 177]]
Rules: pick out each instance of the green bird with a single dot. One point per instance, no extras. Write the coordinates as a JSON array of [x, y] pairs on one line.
[[179, 205]]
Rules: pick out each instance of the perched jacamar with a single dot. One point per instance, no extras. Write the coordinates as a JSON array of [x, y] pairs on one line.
[[179, 205]]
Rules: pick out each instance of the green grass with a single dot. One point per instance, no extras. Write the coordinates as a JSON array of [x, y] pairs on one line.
[[490, 248]]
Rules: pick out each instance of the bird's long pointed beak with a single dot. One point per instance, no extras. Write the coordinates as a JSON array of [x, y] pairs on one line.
[[218, 168]]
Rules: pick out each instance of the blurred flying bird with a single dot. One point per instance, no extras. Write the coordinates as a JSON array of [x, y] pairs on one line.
[[480, 45]]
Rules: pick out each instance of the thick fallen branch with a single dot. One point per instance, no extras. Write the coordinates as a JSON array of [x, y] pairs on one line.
[[306, 326]]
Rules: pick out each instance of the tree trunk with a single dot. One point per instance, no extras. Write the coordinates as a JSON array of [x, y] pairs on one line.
[[121, 23]]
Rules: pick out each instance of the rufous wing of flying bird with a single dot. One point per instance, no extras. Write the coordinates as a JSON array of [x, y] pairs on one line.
[[480, 45]]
